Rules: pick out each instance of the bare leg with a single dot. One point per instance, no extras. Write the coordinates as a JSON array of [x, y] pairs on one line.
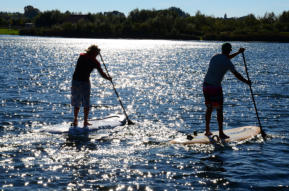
[[208, 119], [76, 111], [86, 113], [220, 119]]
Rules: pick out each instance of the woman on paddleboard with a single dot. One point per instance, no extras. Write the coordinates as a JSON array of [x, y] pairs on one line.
[[212, 89], [80, 90]]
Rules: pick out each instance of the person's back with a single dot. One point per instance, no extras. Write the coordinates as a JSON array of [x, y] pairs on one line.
[[84, 67], [218, 67]]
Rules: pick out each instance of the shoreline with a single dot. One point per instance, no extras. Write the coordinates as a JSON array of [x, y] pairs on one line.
[[148, 38]]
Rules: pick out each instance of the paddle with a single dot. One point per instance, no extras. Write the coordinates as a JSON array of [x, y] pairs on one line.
[[118, 97], [253, 99]]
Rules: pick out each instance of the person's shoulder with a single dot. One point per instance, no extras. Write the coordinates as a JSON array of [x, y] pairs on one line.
[[218, 57], [82, 55], [224, 57]]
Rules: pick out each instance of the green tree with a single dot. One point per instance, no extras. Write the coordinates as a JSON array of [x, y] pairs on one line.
[[49, 18], [30, 12]]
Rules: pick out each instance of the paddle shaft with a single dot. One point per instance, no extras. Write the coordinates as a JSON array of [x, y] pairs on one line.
[[253, 99], [116, 93]]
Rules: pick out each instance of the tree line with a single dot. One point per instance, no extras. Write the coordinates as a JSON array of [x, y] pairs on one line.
[[171, 23]]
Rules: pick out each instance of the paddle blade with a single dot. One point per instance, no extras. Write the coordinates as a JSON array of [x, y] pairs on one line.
[[129, 122], [264, 135]]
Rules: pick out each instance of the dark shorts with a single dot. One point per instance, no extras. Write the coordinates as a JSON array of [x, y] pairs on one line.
[[213, 95], [80, 93]]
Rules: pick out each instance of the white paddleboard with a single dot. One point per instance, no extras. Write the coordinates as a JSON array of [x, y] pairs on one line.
[[97, 124], [235, 134]]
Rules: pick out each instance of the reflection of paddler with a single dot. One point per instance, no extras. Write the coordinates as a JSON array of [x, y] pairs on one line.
[[80, 90], [212, 88]]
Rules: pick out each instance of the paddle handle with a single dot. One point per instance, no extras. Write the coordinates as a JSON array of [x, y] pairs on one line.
[[253, 98], [116, 93]]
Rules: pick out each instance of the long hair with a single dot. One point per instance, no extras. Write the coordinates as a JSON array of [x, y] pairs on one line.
[[92, 48]]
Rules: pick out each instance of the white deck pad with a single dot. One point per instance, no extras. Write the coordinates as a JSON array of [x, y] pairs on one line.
[[97, 124], [235, 134]]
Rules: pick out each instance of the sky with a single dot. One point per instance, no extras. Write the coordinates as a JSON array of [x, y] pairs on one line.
[[216, 8]]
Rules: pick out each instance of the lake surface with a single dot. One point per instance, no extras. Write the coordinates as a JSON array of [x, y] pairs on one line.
[[160, 84]]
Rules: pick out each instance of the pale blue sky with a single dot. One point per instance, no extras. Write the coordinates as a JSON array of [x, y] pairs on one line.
[[217, 8]]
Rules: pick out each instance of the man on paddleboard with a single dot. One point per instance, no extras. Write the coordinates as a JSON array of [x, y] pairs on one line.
[[212, 89], [80, 90]]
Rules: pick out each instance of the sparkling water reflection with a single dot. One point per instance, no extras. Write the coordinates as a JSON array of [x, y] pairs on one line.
[[160, 85]]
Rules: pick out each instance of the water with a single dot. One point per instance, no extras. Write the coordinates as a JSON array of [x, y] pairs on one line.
[[159, 82]]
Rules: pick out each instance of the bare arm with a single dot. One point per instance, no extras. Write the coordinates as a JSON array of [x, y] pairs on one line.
[[104, 75], [241, 78], [241, 50]]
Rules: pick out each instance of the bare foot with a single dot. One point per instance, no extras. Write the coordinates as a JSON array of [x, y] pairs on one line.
[[74, 124], [85, 124], [223, 136], [208, 134]]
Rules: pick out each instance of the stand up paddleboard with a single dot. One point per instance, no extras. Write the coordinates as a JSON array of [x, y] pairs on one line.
[[96, 124], [235, 134]]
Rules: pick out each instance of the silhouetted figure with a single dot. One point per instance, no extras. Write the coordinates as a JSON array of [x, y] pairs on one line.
[[212, 88], [80, 90]]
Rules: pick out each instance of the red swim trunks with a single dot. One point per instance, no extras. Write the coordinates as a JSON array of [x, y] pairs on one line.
[[213, 95]]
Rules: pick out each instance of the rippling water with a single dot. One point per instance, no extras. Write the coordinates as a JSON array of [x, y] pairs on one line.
[[159, 82]]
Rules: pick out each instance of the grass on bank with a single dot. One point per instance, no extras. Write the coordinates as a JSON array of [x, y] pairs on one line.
[[8, 31]]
